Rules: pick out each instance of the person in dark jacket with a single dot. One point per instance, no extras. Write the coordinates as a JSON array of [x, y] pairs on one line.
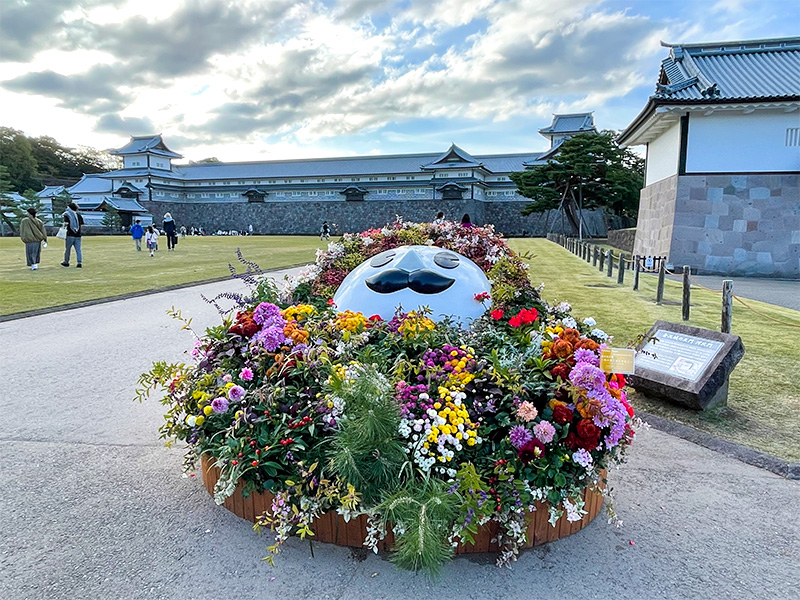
[[73, 221], [33, 233], [171, 231], [137, 233]]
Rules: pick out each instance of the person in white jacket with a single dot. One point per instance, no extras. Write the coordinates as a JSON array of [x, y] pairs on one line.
[[151, 239]]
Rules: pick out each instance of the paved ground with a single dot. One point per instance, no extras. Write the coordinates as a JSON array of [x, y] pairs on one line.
[[93, 506], [780, 292]]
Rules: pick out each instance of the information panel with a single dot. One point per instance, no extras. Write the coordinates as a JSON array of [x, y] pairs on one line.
[[678, 354]]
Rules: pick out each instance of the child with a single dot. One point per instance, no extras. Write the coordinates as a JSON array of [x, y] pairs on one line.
[[151, 238]]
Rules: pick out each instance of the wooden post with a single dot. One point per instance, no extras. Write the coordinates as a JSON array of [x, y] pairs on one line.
[[635, 273], [589, 253], [660, 289], [602, 261], [727, 305], [609, 262], [687, 294], [594, 258], [621, 270]]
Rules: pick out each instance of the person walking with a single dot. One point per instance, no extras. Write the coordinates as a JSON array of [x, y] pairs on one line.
[[170, 230], [151, 239], [73, 221], [32, 233], [325, 231], [137, 233]]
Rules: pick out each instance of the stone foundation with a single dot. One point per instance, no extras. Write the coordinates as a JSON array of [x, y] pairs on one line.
[[746, 224]]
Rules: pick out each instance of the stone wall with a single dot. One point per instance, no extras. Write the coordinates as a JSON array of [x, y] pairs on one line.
[[656, 218], [622, 239], [744, 224], [305, 217], [738, 224]]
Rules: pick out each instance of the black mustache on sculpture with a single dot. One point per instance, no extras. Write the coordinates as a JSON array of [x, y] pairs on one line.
[[422, 281]]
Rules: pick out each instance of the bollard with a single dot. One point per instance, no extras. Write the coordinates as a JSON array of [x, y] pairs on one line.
[[660, 289], [594, 258], [727, 305], [635, 273], [602, 261], [687, 293], [621, 269], [589, 253], [610, 263]]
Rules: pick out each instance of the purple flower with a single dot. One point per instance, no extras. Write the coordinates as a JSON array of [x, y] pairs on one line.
[[246, 374], [266, 311], [544, 431], [219, 405], [236, 393], [587, 376], [582, 355], [271, 338], [519, 436], [583, 458]]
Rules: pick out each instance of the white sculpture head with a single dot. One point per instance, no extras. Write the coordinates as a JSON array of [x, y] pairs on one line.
[[412, 277]]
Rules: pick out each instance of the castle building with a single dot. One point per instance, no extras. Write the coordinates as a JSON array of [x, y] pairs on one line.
[[722, 131], [295, 196]]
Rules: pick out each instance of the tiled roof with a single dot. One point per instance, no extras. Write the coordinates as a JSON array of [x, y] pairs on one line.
[[91, 184], [130, 186], [125, 204], [332, 167], [455, 157], [148, 143], [50, 190], [573, 123], [744, 70]]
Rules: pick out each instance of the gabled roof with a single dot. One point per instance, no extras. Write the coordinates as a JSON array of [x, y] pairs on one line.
[[50, 190], [453, 157], [130, 186], [89, 203], [91, 184], [125, 204], [744, 70], [354, 189], [719, 73], [450, 185], [147, 143], [571, 123]]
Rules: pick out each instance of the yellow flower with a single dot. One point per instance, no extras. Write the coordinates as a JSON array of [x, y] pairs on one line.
[[199, 420], [208, 410]]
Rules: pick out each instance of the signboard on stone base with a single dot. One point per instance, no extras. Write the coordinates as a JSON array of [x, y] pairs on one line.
[[686, 365]]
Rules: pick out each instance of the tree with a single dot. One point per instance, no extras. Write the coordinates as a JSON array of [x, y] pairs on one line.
[[111, 219], [9, 211], [589, 170], [17, 156], [60, 204]]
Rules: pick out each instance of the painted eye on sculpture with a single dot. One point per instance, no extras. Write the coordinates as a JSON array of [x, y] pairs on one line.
[[384, 258], [446, 260]]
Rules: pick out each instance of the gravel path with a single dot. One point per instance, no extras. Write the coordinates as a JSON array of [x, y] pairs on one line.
[[95, 507]]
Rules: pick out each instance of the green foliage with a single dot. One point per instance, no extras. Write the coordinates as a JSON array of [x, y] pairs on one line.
[[111, 219], [60, 204], [423, 514], [10, 213], [366, 452], [588, 167], [17, 156]]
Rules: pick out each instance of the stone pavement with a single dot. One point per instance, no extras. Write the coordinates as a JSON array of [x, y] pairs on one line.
[[94, 506]]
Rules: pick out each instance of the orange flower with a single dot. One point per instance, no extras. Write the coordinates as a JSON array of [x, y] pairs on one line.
[[561, 348]]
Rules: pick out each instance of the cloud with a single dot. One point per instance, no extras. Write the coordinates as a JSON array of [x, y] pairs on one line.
[[113, 123]]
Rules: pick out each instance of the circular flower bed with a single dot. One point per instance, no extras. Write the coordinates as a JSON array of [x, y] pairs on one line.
[[427, 426]]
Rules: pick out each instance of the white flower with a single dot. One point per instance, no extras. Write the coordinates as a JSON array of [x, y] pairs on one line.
[[589, 322], [599, 334], [569, 322]]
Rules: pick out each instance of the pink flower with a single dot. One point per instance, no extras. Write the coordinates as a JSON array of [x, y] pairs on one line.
[[236, 393], [527, 411], [544, 431], [246, 374], [227, 378]]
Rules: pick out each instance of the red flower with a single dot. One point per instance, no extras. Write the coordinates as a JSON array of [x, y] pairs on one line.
[[531, 451], [561, 370], [375, 318], [561, 414], [589, 434], [330, 301], [482, 296], [497, 314], [528, 315], [515, 321]]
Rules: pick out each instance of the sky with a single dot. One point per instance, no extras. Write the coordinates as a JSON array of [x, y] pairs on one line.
[[276, 79]]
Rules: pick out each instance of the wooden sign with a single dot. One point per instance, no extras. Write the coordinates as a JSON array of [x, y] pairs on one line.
[[617, 360]]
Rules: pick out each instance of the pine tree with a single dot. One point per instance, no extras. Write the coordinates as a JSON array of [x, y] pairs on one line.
[[30, 199], [111, 219], [60, 204], [10, 212]]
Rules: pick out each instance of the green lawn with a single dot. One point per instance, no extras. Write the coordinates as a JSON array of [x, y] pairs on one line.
[[764, 398], [111, 266]]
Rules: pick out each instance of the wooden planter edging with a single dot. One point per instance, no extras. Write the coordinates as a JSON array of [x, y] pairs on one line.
[[331, 527]]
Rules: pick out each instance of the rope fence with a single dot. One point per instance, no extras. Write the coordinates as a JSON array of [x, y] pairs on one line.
[[606, 260]]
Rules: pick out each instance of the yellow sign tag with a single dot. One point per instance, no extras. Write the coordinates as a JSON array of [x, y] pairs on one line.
[[617, 360]]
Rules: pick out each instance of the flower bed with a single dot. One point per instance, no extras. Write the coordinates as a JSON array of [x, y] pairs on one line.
[[434, 428]]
